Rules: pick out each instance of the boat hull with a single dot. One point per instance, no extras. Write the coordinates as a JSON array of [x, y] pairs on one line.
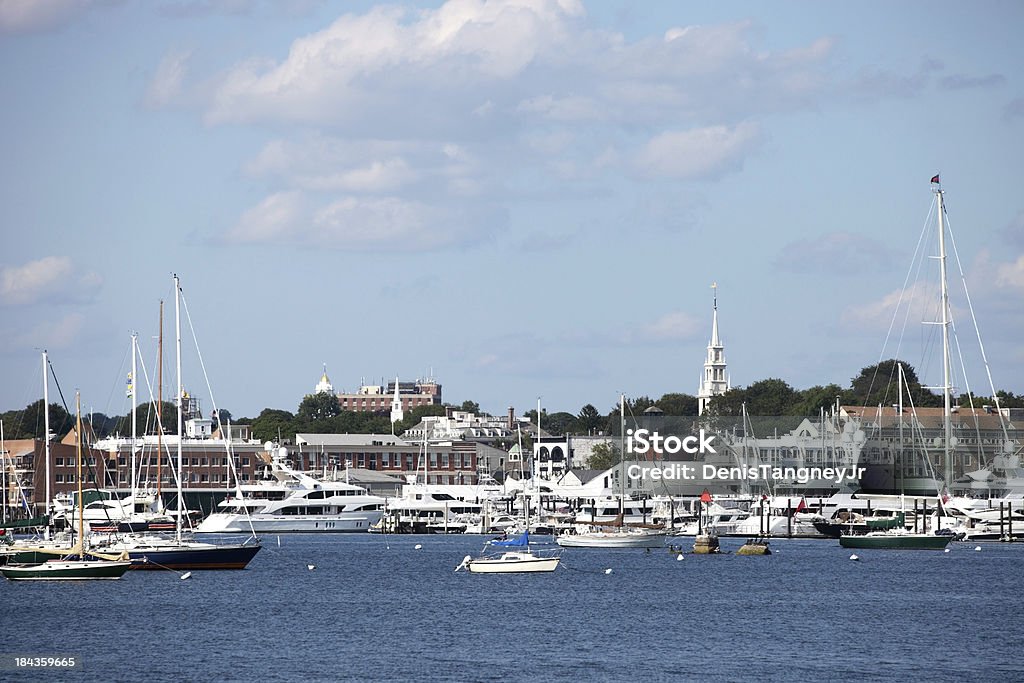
[[182, 558], [611, 540], [513, 566], [896, 542], [65, 570], [220, 523]]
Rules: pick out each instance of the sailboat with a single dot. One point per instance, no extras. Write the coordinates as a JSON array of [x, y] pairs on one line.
[[897, 536], [515, 557], [65, 566], [617, 534], [152, 551]]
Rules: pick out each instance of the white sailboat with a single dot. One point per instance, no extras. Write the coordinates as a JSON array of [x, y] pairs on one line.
[[616, 534], [153, 551], [76, 563], [513, 556]]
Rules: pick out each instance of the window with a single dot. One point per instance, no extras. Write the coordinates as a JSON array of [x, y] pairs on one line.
[[361, 459], [433, 459], [385, 460], [59, 479], [59, 462], [444, 461]]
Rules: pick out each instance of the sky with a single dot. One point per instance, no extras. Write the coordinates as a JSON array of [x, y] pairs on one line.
[[525, 199]]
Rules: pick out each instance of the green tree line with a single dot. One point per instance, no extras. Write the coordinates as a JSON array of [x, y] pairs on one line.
[[321, 413]]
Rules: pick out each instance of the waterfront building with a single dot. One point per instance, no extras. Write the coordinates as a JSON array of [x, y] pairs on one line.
[[391, 398], [454, 462]]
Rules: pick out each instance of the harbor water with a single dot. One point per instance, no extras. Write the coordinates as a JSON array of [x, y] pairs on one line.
[[377, 608]]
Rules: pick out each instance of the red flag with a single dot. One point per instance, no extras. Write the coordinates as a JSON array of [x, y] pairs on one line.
[[801, 506], [935, 178], [705, 497]]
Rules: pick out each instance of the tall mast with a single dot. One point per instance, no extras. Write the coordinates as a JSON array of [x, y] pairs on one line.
[[81, 506], [135, 429], [46, 438], [160, 411], [177, 355], [622, 454], [3, 464], [947, 388]]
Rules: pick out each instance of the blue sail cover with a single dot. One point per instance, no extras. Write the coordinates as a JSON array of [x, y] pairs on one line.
[[520, 541]]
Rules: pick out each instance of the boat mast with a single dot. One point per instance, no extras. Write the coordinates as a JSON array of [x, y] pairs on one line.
[[81, 507], [946, 382], [160, 411], [177, 354], [46, 439], [135, 428], [3, 464], [622, 456], [899, 416]]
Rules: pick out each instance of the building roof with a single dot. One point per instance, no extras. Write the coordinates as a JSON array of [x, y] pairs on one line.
[[930, 417], [328, 440]]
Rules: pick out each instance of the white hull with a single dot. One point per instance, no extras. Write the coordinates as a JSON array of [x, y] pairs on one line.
[[223, 523], [513, 566], [611, 539]]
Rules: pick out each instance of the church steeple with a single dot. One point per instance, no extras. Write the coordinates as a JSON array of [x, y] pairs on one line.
[[713, 381], [397, 414], [324, 386]]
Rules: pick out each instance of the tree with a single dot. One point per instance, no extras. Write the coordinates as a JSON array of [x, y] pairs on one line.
[[879, 385], [678, 404], [811, 401], [470, 407], [560, 423], [603, 456], [273, 425], [316, 407], [589, 419], [30, 423]]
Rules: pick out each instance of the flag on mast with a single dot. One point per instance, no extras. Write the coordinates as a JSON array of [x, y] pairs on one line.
[[935, 179]]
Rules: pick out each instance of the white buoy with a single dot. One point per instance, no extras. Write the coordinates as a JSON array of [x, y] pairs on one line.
[[186, 575], [608, 571], [946, 550], [977, 547], [679, 557], [278, 541], [418, 546], [310, 567], [854, 557]]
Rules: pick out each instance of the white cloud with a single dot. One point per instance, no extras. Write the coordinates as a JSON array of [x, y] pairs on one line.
[[275, 219], [698, 153], [363, 224], [672, 326], [18, 16], [837, 252], [166, 84], [903, 310], [52, 279], [53, 334], [1011, 274]]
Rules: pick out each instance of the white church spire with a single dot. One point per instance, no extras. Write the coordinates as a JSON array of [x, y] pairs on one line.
[[397, 415], [713, 381], [324, 386]]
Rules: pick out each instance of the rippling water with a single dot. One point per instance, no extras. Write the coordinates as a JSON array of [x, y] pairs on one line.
[[376, 608]]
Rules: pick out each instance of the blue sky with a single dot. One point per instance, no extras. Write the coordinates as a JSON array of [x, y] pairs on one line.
[[527, 198]]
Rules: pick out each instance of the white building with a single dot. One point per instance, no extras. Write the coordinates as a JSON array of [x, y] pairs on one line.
[[713, 381]]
